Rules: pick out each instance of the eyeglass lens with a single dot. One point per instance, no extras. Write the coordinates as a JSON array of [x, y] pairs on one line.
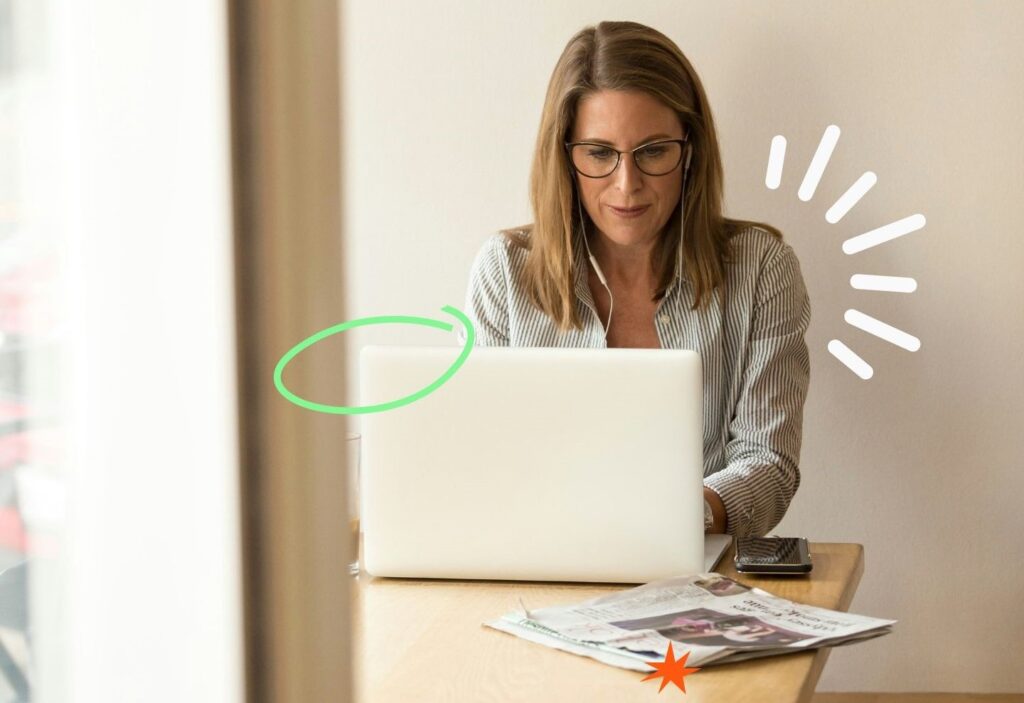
[[598, 161]]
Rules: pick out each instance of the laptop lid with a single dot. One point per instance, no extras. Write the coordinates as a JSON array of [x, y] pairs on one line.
[[533, 464]]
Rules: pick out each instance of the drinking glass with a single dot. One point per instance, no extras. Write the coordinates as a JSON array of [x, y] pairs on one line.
[[353, 442]]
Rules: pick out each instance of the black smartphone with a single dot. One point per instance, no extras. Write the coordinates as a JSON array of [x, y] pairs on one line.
[[772, 555]]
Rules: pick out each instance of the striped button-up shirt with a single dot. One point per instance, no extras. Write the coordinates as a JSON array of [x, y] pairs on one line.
[[751, 342]]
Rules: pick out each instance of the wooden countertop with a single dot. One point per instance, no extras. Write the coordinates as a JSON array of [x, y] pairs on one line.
[[423, 641]]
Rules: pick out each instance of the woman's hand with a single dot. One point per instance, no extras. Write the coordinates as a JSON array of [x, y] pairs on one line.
[[717, 511]]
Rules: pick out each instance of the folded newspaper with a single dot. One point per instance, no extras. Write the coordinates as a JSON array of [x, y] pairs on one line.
[[714, 618]]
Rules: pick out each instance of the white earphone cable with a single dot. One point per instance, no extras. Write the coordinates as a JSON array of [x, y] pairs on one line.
[[593, 262], [682, 217], [679, 248]]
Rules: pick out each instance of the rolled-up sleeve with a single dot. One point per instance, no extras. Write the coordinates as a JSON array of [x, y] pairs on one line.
[[487, 295], [762, 472]]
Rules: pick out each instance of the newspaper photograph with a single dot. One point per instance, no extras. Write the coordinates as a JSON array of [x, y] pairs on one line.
[[713, 617]]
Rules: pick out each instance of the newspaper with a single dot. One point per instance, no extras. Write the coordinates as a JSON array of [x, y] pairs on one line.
[[714, 618]]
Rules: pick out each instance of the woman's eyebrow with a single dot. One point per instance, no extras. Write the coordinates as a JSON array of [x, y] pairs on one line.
[[642, 141]]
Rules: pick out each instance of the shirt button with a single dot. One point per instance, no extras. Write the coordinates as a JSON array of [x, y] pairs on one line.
[[665, 319]]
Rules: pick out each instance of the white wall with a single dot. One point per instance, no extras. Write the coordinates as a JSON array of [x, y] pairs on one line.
[[921, 464]]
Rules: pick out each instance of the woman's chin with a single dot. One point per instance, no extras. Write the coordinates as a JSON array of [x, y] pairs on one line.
[[628, 235]]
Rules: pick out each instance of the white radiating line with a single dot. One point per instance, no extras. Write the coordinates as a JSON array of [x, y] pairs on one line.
[[850, 198], [818, 163], [882, 330], [884, 234], [776, 157], [892, 284], [850, 358]]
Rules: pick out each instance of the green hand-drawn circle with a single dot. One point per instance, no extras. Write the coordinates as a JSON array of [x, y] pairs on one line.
[[380, 320]]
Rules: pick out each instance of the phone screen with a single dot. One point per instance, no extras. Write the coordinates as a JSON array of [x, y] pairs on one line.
[[772, 551]]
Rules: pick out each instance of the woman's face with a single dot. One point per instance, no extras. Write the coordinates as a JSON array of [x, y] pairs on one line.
[[626, 120]]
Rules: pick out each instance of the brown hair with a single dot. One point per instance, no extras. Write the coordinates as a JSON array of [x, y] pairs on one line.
[[623, 56]]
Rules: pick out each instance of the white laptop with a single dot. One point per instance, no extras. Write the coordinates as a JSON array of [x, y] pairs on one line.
[[533, 464]]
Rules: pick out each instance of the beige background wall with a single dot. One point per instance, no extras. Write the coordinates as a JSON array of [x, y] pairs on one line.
[[924, 463]]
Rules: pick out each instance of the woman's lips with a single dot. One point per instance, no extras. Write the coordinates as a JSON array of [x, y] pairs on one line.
[[633, 212]]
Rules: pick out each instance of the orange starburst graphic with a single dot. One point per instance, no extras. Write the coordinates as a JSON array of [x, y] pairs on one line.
[[672, 669]]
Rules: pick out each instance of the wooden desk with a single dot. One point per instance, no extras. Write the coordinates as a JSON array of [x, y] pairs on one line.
[[422, 640]]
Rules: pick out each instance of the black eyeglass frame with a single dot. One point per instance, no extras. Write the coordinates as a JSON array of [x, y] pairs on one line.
[[618, 156]]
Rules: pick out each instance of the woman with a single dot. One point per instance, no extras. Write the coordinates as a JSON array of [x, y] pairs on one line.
[[629, 248]]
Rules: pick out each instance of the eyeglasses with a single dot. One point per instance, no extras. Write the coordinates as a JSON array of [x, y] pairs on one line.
[[600, 160]]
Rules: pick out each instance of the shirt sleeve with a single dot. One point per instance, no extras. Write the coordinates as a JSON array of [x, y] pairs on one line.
[[487, 295], [762, 471]]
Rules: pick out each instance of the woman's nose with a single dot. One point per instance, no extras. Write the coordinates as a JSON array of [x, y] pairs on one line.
[[627, 176]]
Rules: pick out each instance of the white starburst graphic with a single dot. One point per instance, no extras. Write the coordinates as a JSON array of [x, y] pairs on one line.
[[853, 245]]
